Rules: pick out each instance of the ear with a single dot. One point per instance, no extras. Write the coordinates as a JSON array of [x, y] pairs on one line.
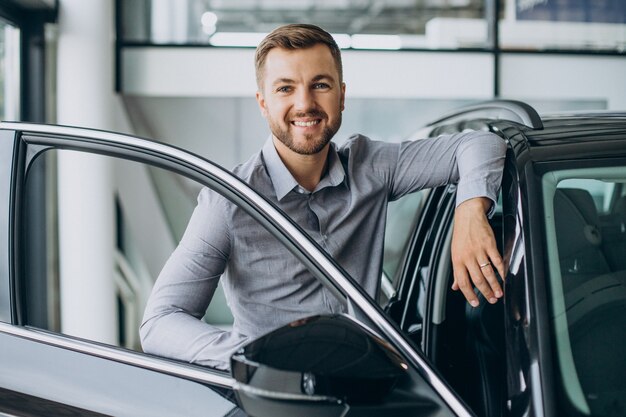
[[261, 102], [343, 96]]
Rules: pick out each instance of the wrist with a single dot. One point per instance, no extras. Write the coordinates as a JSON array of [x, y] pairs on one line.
[[482, 204]]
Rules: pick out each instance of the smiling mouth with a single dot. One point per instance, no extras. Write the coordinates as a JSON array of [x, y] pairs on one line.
[[306, 124]]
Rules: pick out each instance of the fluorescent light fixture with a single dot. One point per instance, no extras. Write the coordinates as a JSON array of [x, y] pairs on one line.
[[376, 42], [209, 30], [413, 41], [237, 39], [209, 22], [208, 19], [344, 41]]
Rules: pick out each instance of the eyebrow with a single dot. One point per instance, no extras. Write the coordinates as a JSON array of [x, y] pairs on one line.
[[318, 77], [283, 81], [322, 77]]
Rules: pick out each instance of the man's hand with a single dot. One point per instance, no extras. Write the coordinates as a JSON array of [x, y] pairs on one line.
[[475, 256]]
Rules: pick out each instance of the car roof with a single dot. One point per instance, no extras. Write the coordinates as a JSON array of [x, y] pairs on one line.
[[569, 136]]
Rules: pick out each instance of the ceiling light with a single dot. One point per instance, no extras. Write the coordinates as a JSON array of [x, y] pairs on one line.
[[344, 41], [376, 42], [208, 19], [237, 39]]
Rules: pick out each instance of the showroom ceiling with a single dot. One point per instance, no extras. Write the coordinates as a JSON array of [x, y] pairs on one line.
[[339, 16]]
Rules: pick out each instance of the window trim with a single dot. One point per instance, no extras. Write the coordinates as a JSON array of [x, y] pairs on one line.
[[142, 360]]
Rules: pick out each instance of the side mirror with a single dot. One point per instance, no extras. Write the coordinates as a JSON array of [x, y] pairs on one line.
[[318, 366]]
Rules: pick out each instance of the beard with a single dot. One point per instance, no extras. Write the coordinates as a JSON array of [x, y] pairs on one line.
[[312, 144]]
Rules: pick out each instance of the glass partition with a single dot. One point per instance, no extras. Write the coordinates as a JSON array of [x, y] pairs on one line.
[[357, 24], [569, 25], [9, 71], [529, 25]]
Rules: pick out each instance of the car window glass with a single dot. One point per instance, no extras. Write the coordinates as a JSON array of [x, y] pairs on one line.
[[585, 218], [402, 218], [151, 207], [142, 237]]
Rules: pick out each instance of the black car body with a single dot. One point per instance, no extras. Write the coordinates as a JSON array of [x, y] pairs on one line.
[[565, 277], [433, 354]]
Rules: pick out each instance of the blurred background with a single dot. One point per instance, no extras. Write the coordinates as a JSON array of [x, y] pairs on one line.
[[182, 72]]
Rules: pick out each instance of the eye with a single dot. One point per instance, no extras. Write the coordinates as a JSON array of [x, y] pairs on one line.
[[321, 86], [284, 89]]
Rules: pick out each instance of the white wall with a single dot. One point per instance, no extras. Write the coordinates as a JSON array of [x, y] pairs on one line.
[[565, 77], [203, 98], [223, 72]]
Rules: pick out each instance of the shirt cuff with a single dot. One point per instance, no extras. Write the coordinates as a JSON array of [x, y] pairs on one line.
[[467, 191]]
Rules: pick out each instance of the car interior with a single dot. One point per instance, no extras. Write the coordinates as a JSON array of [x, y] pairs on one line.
[[468, 343], [591, 245], [465, 344]]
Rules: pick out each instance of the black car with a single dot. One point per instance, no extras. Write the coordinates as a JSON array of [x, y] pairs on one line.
[[555, 346]]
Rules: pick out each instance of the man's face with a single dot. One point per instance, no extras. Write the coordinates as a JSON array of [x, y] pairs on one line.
[[302, 97]]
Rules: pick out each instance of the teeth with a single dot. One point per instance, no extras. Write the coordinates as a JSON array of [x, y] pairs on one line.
[[306, 124]]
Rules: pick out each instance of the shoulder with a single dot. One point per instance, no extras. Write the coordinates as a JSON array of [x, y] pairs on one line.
[[254, 173], [359, 148], [248, 169]]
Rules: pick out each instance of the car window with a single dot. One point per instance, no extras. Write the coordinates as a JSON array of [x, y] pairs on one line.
[[96, 284], [149, 209], [138, 222], [585, 223], [126, 243], [402, 218]]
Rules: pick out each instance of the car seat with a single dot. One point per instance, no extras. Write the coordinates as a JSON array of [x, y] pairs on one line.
[[578, 236], [595, 299], [614, 235]]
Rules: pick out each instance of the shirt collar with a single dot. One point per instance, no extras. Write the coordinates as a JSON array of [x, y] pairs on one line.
[[284, 182]]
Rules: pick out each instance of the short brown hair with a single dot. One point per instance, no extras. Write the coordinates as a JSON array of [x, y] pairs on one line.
[[295, 36]]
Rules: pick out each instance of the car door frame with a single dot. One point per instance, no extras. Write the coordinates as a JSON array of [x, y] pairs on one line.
[[32, 139]]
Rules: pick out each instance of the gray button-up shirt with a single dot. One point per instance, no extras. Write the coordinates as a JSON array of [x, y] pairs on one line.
[[264, 284]]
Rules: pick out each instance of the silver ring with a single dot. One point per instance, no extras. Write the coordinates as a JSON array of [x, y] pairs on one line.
[[484, 265]]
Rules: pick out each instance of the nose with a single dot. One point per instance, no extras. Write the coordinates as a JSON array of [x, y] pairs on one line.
[[304, 100]]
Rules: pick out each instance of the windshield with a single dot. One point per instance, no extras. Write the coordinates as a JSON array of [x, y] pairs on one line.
[[585, 219]]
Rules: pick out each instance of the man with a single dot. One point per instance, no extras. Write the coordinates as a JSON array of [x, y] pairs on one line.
[[339, 196]]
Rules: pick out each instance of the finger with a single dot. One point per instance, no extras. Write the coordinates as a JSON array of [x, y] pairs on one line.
[[478, 278], [498, 264], [497, 261], [462, 281], [492, 281]]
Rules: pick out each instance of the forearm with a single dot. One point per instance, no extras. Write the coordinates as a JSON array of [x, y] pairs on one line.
[[172, 323], [473, 160], [181, 336]]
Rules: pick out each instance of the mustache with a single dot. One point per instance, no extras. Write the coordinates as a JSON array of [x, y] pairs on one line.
[[313, 113]]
